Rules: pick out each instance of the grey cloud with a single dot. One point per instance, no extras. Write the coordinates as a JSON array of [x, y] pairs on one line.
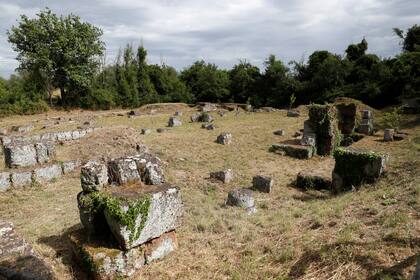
[[178, 32]]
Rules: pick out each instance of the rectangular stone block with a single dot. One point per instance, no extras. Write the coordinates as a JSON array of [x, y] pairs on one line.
[[311, 179], [296, 151], [4, 181], [136, 217], [123, 170], [355, 167], [150, 168], [94, 176], [20, 155], [45, 151], [47, 173], [103, 260], [70, 166], [262, 183], [21, 179]]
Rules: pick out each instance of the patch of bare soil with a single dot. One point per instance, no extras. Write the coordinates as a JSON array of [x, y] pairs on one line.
[[103, 143]]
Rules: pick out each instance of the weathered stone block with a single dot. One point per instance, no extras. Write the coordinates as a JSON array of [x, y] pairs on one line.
[[389, 134], [17, 258], [308, 139], [145, 131], [205, 117], [310, 179], [262, 183], [45, 151], [21, 179], [160, 247], [346, 117], [355, 167], [293, 113], [93, 176], [195, 117], [296, 151], [123, 170], [174, 122], [70, 166], [225, 176], [137, 217], [279, 132], [20, 155], [4, 181], [150, 168], [324, 123], [243, 198], [225, 138], [47, 173], [208, 126]]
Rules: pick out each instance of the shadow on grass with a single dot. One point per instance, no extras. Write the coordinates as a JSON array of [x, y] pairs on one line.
[[347, 252], [63, 249]]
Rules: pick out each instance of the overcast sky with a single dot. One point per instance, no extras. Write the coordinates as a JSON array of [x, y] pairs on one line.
[[178, 32]]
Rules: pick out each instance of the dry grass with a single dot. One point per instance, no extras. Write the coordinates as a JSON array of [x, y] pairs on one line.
[[369, 233]]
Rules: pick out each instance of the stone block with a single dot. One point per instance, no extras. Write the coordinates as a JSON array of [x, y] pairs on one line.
[[145, 131], [293, 113], [123, 171], [205, 117], [75, 135], [4, 181], [308, 139], [225, 138], [295, 151], [47, 173], [160, 247], [310, 179], [195, 117], [389, 134], [20, 155], [366, 129], [174, 122], [150, 168], [225, 176], [262, 183], [137, 216], [70, 166], [45, 151], [366, 114], [23, 129], [94, 176], [241, 197], [17, 258], [346, 117], [21, 179], [208, 126], [355, 167], [279, 132]]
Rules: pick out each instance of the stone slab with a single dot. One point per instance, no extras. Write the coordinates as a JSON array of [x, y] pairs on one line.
[[21, 179], [296, 151], [47, 173], [5, 183]]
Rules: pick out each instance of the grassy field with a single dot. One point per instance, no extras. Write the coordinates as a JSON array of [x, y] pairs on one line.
[[371, 233]]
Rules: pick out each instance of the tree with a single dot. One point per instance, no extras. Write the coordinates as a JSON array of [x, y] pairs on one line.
[[146, 90], [206, 82], [61, 51], [243, 81], [355, 51], [411, 40]]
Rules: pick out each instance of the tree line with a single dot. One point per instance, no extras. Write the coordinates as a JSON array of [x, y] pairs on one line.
[[65, 53]]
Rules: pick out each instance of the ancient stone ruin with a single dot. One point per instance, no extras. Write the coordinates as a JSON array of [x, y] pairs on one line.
[[129, 216], [262, 183], [355, 167], [366, 125], [18, 260], [225, 138], [225, 175], [174, 122], [243, 198], [323, 127], [21, 154], [201, 117]]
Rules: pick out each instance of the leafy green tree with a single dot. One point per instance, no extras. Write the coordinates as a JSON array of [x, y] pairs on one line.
[[168, 85], [355, 51], [206, 82], [243, 81], [411, 40], [61, 51], [146, 90]]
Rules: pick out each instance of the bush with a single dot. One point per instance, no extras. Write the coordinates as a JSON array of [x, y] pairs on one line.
[[98, 99]]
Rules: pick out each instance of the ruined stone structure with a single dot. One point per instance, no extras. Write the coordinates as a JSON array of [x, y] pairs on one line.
[[355, 167], [346, 117], [243, 198], [21, 154], [323, 124], [18, 260], [129, 216], [366, 125], [225, 138]]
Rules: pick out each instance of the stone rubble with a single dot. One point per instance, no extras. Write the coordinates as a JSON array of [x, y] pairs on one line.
[[174, 122], [226, 176], [225, 138]]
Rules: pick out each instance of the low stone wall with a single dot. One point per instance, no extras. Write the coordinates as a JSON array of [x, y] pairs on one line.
[[20, 154], [49, 136], [43, 174]]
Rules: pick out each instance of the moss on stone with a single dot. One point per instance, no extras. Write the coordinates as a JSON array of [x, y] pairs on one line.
[[323, 118], [137, 207]]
